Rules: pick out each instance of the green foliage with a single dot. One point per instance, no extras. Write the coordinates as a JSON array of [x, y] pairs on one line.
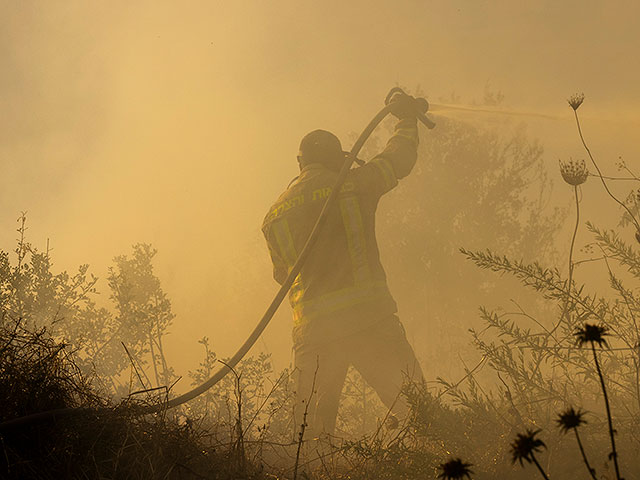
[[30, 292], [63, 303], [143, 311]]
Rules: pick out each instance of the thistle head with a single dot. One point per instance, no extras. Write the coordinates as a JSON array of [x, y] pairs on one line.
[[576, 100], [525, 445], [569, 419], [591, 334], [574, 172], [455, 469]]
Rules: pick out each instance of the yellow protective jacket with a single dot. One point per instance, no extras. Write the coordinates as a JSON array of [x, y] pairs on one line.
[[342, 287]]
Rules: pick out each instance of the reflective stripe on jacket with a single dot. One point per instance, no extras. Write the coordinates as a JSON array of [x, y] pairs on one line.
[[343, 275]]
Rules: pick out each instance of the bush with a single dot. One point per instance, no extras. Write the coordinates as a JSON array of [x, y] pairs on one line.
[[82, 435]]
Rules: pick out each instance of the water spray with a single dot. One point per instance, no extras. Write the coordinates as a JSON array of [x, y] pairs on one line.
[[434, 107]]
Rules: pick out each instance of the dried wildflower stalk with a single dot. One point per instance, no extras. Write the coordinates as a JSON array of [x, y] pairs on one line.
[[455, 469], [593, 334], [571, 419], [525, 446], [575, 173], [575, 101]]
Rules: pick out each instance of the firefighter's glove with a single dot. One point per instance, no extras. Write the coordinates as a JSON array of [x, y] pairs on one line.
[[405, 106]]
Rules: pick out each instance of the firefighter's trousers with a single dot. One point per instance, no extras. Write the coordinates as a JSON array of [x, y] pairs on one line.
[[380, 353]]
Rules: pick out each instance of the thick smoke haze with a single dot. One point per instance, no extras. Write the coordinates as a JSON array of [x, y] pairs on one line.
[[177, 123]]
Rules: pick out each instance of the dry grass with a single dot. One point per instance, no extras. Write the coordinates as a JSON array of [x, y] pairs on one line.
[[97, 440]]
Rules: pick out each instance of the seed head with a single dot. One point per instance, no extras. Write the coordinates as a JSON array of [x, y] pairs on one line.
[[638, 235], [591, 333], [525, 445], [570, 419], [576, 100], [574, 172], [455, 469]]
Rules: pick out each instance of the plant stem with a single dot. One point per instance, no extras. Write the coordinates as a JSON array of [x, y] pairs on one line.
[[303, 426], [133, 364], [153, 359], [573, 238], [614, 452], [542, 472], [238, 445], [569, 283], [592, 471], [584, 144]]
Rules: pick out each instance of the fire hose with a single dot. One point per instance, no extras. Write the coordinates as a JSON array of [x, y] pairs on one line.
[[421, 106]]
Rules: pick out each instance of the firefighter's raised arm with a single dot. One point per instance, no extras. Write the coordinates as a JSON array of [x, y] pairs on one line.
[[399, 156]]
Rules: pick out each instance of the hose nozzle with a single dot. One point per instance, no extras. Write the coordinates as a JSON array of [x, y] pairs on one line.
[[421, 105]]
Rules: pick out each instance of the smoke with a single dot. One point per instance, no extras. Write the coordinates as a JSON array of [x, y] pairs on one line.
[[178, 124]]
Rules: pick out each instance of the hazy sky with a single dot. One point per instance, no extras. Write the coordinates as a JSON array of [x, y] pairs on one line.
[[177, 123]]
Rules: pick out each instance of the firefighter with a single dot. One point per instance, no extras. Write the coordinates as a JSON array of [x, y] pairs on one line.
[[343, 311]]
